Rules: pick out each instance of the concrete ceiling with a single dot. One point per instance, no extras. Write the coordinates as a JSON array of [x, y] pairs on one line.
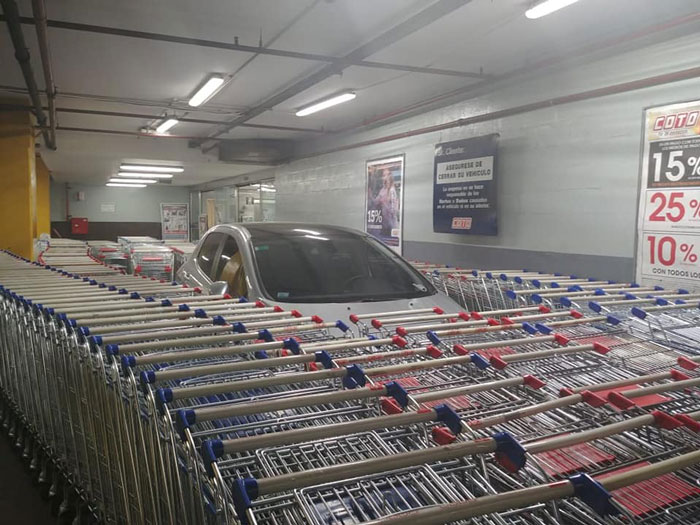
[[138, 78]]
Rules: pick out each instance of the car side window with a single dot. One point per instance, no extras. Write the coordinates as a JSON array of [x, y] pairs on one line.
[[230, 268], [207, 253]]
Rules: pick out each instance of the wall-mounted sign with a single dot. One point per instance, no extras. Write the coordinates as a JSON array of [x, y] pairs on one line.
[[384, 202], [175, 220], [464, 186], [108, 207], [668, 220]]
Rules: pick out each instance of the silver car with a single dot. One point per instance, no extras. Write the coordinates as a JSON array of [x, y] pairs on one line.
[[328, 271]]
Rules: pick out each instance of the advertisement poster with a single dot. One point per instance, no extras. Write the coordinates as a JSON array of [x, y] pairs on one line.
[[464, 186], [175, 220], [668, 223], [385, 200]]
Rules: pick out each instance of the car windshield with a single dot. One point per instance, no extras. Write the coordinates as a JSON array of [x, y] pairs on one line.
[[308, 266]]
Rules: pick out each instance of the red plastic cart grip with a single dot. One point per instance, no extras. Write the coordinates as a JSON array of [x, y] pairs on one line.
[[600, 348], [354, 318], [438, 310], [443, 435], [399, 341], [665, 421], [677, 375], [433, 351], [561, 339], [476, 315], [620, 401], [401, 331], [376, 323], [533, 382], [686, 363], [492, 322], [460, 350], [544, 309], [575, 314], [390, 406], [498, 363], [594, 399]]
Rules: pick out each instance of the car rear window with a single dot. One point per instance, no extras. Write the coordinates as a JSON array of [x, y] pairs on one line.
[[308, 266]]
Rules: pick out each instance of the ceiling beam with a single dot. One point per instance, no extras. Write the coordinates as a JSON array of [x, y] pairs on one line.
[[416, 22], [342, 62], [146, 116]]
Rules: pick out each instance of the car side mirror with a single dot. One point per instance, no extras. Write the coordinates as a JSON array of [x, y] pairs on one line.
[[218, 288]]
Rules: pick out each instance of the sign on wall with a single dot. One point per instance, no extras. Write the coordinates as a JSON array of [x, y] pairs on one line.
[[464, 186], [668, 223], [175, 220], [384, 202]]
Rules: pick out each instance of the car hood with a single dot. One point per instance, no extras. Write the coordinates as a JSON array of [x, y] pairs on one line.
[[342, 311]]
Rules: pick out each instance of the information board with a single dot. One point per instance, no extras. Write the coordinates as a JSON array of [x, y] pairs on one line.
[[175, 222], [668, 223], [464, 186]]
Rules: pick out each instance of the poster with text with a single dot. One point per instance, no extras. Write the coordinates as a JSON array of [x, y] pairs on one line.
[[464, 186], [175, 221], [385, 200], [668, 224]]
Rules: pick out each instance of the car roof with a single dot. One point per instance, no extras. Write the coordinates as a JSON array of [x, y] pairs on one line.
[[293, 228]]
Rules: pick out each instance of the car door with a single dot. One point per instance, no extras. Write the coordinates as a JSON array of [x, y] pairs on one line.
[[201, 268]]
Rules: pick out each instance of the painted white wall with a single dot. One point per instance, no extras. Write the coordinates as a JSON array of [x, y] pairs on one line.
[[567, 175], [131, 204]]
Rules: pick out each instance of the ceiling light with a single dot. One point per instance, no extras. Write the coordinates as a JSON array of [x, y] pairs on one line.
[[547, 7], [125, 185], [134, 174], [164, 126], [207, 90], [326, 103], [146, 168], [135, 181]]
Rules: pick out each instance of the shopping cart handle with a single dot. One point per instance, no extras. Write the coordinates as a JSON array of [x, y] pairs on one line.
[[554, 284], [665, 420], [479, 361], [498, 363], [439, 311], [593, 494], [536, 283], [433, 351], [543, 328], [639, 312], [600, 291], [292, 345], [536, 298], [574, 288], [398, 392], [595, 306], [354, 377], [630, 296], [341, 326], [687, 363], [324, 358], [689, 422], [683, 291], [213, 449], [433, 337], [679, 301], [509, 453], [446, 415], [529, 328], [533, 382], [620, 401], [183, 420], [511, 294]]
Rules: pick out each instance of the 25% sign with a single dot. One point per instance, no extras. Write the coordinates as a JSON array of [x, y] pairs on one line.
[[667, 251], [672, 208]]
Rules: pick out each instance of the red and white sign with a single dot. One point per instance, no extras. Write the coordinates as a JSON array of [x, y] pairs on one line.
[[461, 223], [667, 210], [668, 226], [670, 256]]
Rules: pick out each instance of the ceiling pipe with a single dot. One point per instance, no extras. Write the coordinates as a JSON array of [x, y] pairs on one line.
[[146, 116], [409, 26], [614, 89], [338, 62], [39, 11], [11, 16]]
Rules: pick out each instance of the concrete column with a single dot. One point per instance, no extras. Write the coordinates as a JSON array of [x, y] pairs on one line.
[[18, 209], [43, 200]]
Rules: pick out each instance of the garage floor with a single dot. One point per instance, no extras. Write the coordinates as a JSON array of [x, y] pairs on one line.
[[20, 502]]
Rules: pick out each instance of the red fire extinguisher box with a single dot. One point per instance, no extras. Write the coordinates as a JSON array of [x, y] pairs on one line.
[[79, 225]]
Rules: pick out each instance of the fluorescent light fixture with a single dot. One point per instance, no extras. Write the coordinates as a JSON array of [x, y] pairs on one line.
[[149, 169], [134, 181], [326, 103], [547, 7], [136, 175], [207, 90], [164, 126], [125, 185]]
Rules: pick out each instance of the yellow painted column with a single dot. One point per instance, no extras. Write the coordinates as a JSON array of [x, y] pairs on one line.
[[43, 200], [18, 183]]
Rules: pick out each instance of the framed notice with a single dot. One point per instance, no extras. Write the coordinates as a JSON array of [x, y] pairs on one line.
[[464, 186], [384, 203], [175, 220], [668, 217]]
